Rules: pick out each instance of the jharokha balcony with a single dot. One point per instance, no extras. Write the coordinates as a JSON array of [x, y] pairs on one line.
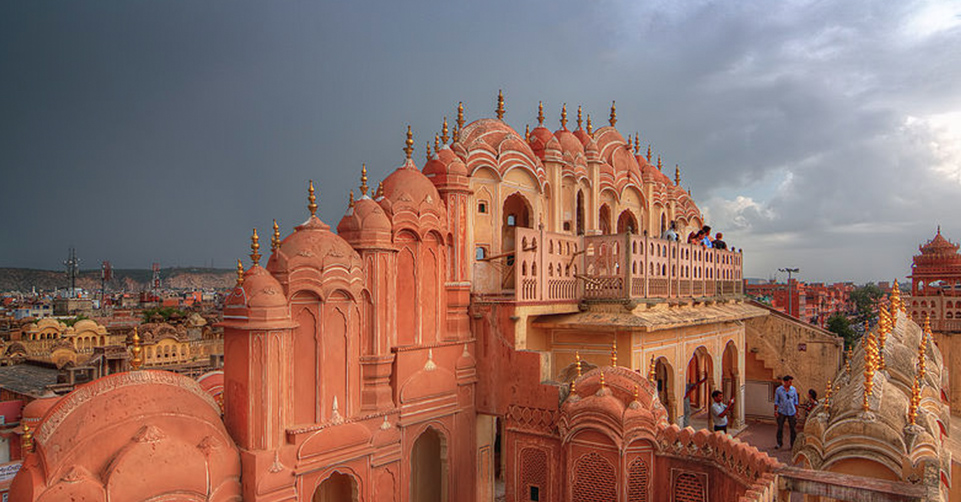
[[553, 267]]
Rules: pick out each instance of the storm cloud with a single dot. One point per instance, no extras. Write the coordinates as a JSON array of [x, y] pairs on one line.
[[819, 135]]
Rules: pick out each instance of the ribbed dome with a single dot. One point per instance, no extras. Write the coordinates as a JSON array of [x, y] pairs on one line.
[[408, 186]]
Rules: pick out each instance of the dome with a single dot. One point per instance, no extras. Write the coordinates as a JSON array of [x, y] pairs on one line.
[[408, 186], [363, 222], [569, 142], [262, 290], [314, 241], [445, 162], [540, 136], [36, 409]]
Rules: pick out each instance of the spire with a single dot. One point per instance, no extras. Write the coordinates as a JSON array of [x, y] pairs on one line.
[[648, 153], [870, 366], [312, 201], [659, 163], [577, 357], [613, 119], [850, 354], [922, 347], [500, 105], [827, 397], [350, 199], [540, 115], [135, 349], [255, 248], [637, 143], [443, 131], [564, 116], [240, 273], [437, 143], [380, 189], [409, 144], [455, 135], [460, 117], [275, 238], [363, 179], [603, 383], [590, 127], [27, 438], [527, 133], [427, 151], [677, 174], [915, 403], [578, 117], [614, 352], [652, 372]]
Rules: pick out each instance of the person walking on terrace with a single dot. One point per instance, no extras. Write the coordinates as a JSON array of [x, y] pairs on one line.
[[785, 409]]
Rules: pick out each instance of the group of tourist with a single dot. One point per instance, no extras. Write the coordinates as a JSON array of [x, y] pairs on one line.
[[702, 237]]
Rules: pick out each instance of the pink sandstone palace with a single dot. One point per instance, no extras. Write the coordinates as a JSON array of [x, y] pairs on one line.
[[503, 322]]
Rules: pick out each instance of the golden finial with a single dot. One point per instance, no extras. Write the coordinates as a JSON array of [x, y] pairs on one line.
[[240, 273], [648, 153], [437, 143], [677, 174], [637, 143], [443, 131], [275, 238], [363, 179], [659, 163], [590, 126], [540, 114], [870, 362], [895, 304], [460, 117], [136, 350], [500, 105], [578, 117], [380, 189], [636, 392], [577, 357], [613, 119], [564, 116], [427, 152], [255, 247], [27, 438], [652, 373], [922, 348], [527, 133], [312, 201], [409, 144], [350, 199], [614, 351], [915, 401], [603, 383], [927, 323], [849, 354], [573, 386], [455, 135]]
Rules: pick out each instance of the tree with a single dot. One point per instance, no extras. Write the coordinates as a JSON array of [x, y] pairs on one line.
[[839, 324], [865, 300]]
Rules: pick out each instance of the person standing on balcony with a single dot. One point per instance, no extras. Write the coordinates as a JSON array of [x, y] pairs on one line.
[[719, 241], [706, 237], [671, 232], [785, 409]]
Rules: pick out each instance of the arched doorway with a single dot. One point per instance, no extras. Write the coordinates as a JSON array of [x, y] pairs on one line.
[[626, 222], [604, 216], [337, 488], [699, 383], [428, 468], [730, 381], [664, 380], [580, 212], [517, 213]]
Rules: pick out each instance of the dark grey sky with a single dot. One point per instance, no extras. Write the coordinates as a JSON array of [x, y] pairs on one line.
[[822, 135]]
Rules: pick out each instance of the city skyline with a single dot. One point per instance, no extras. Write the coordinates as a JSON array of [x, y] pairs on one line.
[[823, 137]]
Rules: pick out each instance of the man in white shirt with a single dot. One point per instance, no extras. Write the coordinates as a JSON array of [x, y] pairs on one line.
[[719, 411]]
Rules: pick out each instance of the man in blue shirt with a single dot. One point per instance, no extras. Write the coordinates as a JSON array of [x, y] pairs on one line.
[[785, 408]]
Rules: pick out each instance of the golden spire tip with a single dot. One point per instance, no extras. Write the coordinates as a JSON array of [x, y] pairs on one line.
[[540, 114], [363, 179], [409, 144], [590, 127], [350, 199], [311, 199], [240, 273], [275, 238], [564, 116], [578, 117], [443, 132], [255, 248], [136, 361], [500, 104], [460, 117], [613, 119]]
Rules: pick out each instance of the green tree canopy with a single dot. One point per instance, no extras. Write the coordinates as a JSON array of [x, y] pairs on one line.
[[865, 299], [840, 325]]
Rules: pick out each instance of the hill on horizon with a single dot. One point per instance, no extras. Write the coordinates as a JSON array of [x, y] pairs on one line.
[[130, 280]]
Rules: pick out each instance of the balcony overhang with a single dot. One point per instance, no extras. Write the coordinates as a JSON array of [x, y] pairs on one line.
[[646, 318]]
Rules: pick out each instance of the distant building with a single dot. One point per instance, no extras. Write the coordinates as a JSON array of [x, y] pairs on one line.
[[810, 302]]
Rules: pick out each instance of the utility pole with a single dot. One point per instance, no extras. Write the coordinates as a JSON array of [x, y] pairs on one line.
[[789, 272], [73, 269]]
